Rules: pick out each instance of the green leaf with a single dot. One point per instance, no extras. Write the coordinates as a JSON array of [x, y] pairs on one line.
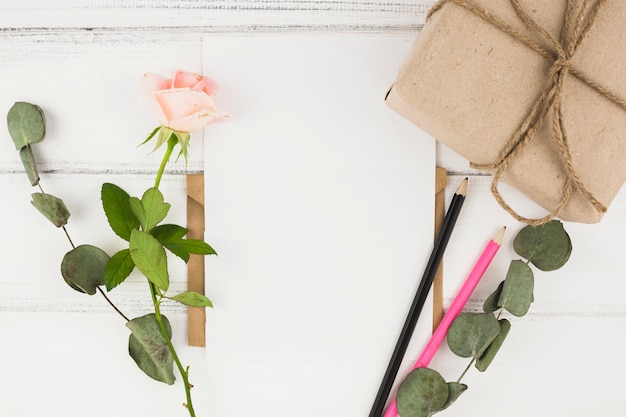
[[151, 209], [422, 393], [26, 123], [517, 292], [148, 347], [149, 257], [193, 299], [30, 166], [166, 233], [471, 333], [115, 202], [118, 269], [548, 246], [492, 302], [51, 207], [184, 247], [485, 360], [171, 236], [83, 268], [455, 389]]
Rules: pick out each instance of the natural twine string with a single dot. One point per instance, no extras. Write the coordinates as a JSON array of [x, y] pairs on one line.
[[575, 29]]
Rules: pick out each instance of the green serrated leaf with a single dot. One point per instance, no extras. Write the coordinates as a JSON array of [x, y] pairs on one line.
[[192, 299], [149, 257], [137, 208], [116, 205], [548, 246], [517, 292], [83, 268], [471, 333], [491, 303], [485, 360], [166, 233], [148, 347], [184, 247], [51, 207], [151, 209], [455, 389], [422, 393], [30, 166], [26, 123], [118, 269]]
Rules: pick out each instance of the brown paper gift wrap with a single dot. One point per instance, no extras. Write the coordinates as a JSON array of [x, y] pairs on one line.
[[472, 84]]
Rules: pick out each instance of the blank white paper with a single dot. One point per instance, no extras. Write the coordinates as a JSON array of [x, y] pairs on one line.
[[319, 202]]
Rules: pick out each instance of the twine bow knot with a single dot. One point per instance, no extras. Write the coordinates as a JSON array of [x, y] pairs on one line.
[[576, 26]]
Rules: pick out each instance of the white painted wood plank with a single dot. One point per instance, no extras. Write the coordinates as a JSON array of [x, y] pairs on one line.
[[77, 365], [88, 87], [213, 15], [559, 366]]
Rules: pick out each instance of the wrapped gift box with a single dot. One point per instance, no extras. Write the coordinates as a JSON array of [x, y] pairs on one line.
[[479, 67]]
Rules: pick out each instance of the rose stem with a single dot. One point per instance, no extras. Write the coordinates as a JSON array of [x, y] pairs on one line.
[[171, 142]]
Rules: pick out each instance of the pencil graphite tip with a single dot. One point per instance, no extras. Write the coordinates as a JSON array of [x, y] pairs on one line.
[[499, 236], [462, 190]]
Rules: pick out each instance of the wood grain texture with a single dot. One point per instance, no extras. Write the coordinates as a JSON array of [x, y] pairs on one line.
[[81, 61], [209, 16]]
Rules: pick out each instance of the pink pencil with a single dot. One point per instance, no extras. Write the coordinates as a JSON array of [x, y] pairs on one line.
[[455, 308]]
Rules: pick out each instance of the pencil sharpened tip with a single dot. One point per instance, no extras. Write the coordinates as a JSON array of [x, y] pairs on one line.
[[499, 236], [462, 190]]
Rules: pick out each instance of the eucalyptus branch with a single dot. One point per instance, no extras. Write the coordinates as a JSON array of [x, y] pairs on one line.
[[479, 336]]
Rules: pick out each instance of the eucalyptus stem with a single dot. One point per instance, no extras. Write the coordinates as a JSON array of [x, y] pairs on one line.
[[171, 142], [111, 303], [67, 235], [466, 369]]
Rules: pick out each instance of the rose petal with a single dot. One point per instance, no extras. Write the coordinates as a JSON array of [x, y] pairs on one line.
[[207, 85], [181, 103], [149, 84], [154, 82], [184, 79], [198, 120]]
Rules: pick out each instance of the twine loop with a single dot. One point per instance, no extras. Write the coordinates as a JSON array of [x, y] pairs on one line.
[[576, 26]]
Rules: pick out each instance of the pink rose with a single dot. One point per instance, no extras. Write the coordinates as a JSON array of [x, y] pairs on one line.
[[183, 103]]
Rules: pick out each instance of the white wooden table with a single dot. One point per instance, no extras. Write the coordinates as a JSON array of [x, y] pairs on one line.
[[60, 349]]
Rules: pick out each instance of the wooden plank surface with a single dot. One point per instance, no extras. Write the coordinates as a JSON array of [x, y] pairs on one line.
[[66, 55]]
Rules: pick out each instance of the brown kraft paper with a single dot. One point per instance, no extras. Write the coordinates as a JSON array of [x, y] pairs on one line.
[[472, 84]]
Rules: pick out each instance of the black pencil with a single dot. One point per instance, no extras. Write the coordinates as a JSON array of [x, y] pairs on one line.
[[420, 298]]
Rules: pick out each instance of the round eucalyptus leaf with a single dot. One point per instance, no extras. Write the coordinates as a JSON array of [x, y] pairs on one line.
[[455, 389], [83, 268], [30, 166], [148, 347], [485, 360], [422, 393], [547, 246], [517, 292], [51, 207], [26, 123], [471, 333], [491, 303]]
